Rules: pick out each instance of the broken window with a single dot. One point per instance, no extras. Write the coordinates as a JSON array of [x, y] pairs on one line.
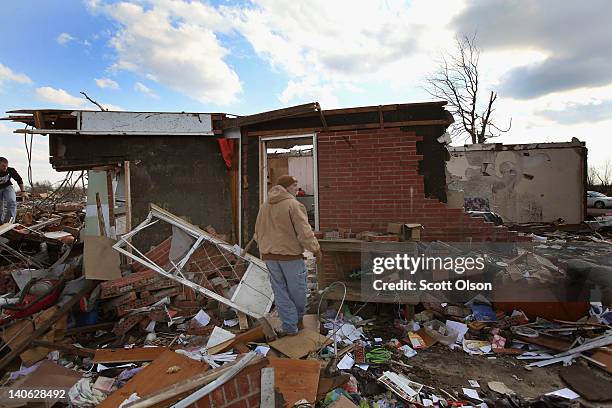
[[206, 264]]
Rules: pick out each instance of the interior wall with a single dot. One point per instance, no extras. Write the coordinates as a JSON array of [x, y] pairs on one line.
[[521, 184], [185, 175]]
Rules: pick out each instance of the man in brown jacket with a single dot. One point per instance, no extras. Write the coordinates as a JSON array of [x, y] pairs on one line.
[[283, 233]]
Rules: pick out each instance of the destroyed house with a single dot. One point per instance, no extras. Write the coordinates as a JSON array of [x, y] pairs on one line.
[[361, 168]]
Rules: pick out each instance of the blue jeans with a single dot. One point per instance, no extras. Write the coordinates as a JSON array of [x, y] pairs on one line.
[[8, 201], [288, 280]]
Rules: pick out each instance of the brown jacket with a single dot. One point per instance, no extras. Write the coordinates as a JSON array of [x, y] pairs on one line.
[[282, 227]]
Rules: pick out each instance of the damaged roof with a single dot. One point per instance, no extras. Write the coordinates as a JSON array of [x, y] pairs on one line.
[[304, 118]]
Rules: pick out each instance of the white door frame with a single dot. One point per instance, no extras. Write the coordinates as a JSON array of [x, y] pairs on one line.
[[263, 166]]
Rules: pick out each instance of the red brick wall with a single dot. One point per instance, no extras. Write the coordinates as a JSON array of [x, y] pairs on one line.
[[369, 178], [242, 391]]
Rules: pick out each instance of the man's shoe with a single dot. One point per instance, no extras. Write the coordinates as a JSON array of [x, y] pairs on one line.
[[282, 333]]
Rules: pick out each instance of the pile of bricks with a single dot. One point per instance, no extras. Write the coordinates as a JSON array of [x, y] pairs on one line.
[[207, 266]]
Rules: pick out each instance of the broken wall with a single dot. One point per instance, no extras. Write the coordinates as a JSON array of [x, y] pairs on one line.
[[522, 183], [183, 174]]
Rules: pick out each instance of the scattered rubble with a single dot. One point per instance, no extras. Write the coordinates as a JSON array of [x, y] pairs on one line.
[[191, 323]]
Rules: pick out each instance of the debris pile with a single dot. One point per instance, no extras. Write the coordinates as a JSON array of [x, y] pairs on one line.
[[91, 321]]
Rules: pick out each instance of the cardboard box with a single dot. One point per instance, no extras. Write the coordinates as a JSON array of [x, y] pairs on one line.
[[407, 232]]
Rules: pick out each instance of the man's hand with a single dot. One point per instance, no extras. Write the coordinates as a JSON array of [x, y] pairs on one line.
[[23, 194]]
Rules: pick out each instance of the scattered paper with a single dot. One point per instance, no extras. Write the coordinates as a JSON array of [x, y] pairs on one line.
[[427, 402], [231, 322], [471, 393], [132, 398], [202, 318], [408, 351], [565, 393], [476, 346], [364, 367], [263, 350], [378, 339], [416, 340], [474, 383], [351, 332], [219, 336], [499, 387], [150, 327], [459, 328], [347, 362]]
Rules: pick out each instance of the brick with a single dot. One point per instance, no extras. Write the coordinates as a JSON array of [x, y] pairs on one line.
[[124, 325], [239, 404], [126, 308], [231, 391], [218, 398], [242, 384], [254, 400]]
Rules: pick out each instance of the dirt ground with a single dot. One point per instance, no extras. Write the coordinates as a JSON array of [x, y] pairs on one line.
[[450, 369]]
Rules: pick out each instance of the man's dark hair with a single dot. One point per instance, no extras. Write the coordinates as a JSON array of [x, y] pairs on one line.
[[3, 160]]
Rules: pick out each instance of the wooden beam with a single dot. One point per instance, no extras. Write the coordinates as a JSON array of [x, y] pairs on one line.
[[270, 115], [39, 120], [267, 388], [282, 132], [127, 355], [111, 203], [45, 325], [66, 348], [323, 121], [256, 333], [90, 328], [101, 224]]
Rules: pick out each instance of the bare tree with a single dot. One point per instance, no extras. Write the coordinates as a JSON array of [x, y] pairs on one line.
[[592, 177], [457, 82], [605, 175]]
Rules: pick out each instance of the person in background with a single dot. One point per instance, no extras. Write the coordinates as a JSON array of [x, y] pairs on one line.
[[8, 198], [283, 233]]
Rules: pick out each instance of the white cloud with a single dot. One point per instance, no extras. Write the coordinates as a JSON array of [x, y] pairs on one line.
[[174, 42], [106, 83], [59, 96], [6, 75], [339, 45], [142, 88], [64, 38]]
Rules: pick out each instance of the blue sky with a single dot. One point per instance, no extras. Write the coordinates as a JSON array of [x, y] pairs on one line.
[[248, 57]]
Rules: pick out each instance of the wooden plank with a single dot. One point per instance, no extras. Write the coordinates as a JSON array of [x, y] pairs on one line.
[[65, 348], [175, 392], [271, 115], [604, 357], [128, 355], [296, 379], [111, 204], [267, 388], [101, 224], [255, 334], [282, 132], [300, 345], [552, 343], [156, 376], [243, 321]]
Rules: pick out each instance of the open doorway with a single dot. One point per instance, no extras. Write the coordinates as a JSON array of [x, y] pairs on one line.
[[297, 156]]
